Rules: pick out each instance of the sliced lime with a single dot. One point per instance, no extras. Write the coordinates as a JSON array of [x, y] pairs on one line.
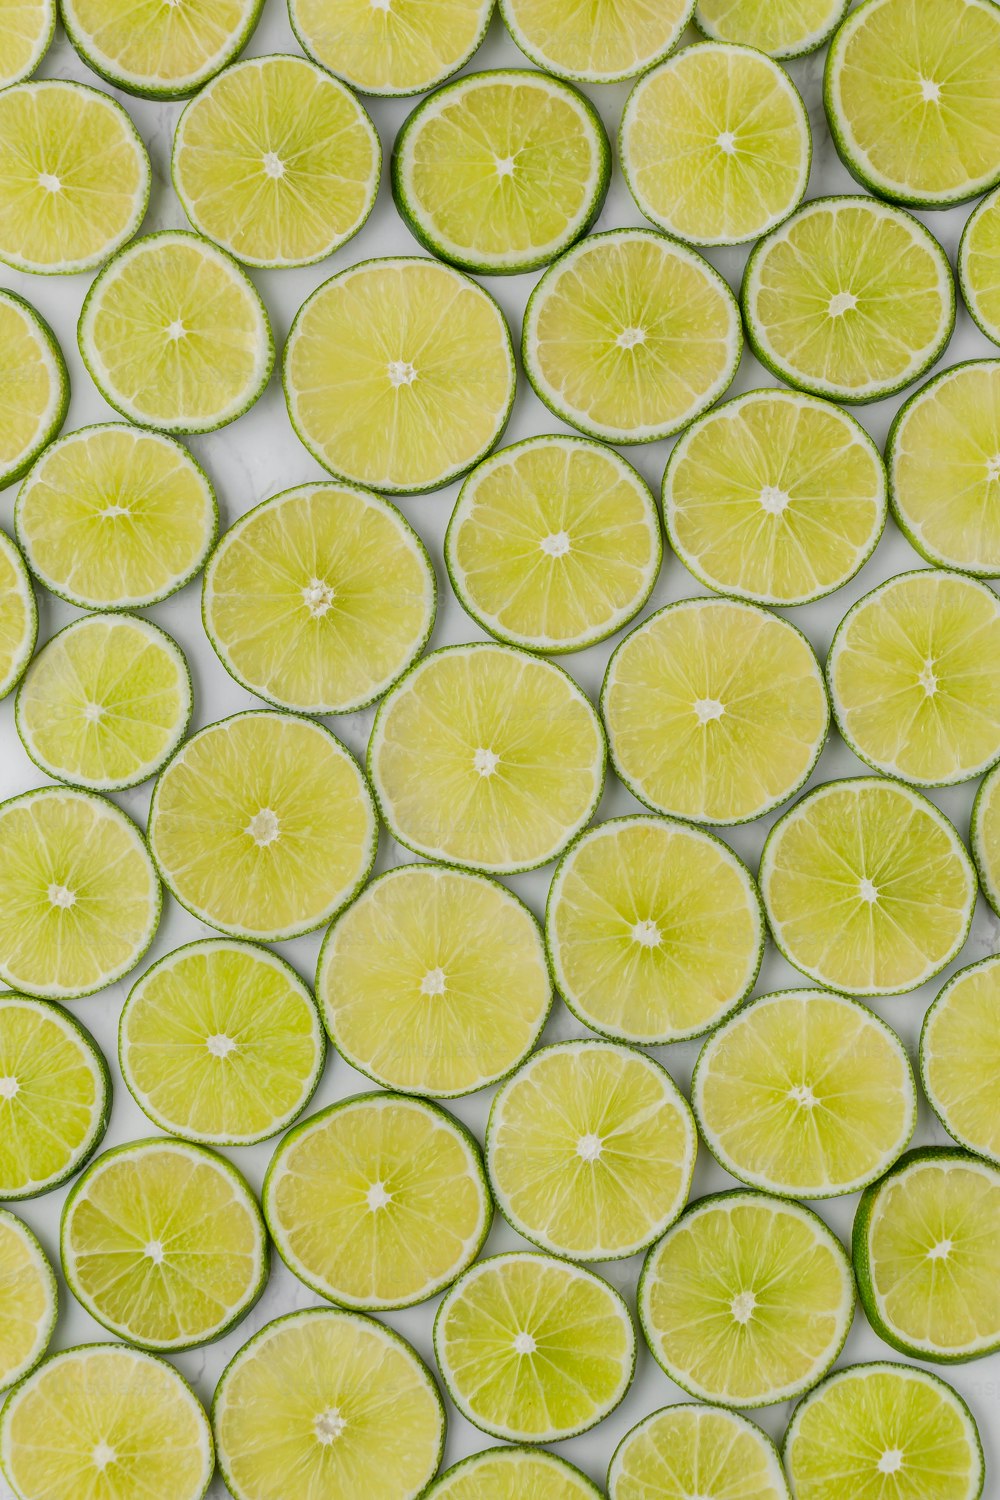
[[26, 28], [404, 47], [590, 41], [18, 615], [28, 1300], [960, 1057], [156, 50], [984, 837], [513, 1474], [979, 265], [696, 1450], [782, 28], [34, 386]]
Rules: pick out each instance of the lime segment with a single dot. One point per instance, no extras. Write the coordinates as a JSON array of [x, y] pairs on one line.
[[594, 42], [34, 386], [155, 50], [27, 1300], [979, 265], [960, 1056], [26, 28], [696, 1450], [405, 47], [782, 28], [18, 615], [513, 1474]]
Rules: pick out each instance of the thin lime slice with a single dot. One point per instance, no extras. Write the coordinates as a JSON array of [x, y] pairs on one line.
[[320, 598], [927, 1255], [378, 1201], [513, 1474], [26, 28], [434, 981], [404, 47], [534, 1349], [984, 837], [501, 171], [696, 1450], [399, 374], [782, 28], [630, 335], [775, 497], [163, 1243], [960, 1057], [175, 335], [276, 161], [487, 757], [18, 616], [554, 543], [34, 386], [592, 42], [912, 93], [28, 1300], [263, 825], [157, 51], [220, 1042], [979, 265], [805, 1094], [849, 298], [338, 1400], [79, 897], [590, 1150], [747, 1300]]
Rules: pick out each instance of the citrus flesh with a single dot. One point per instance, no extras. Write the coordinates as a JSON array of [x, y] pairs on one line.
[[595, 42], [513, 1474], [696, 1450], [985, 837], [959, 1056], [18, 615], [27, 1300], [26, 28], [402, 48], [979, 265], [34, 390], [783, 28], [155, 50]]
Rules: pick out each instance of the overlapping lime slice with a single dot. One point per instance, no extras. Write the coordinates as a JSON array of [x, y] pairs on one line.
[[984, 837], [696, 1450], [960, 1055], [18, 615], [156, 50], [405, 47], [28, 1300], [26, 28], [979, 265], [594, 42], [513, 1474], [782, 28], [34, 386]]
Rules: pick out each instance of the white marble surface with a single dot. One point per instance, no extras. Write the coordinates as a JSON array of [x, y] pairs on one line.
[[258, 456]]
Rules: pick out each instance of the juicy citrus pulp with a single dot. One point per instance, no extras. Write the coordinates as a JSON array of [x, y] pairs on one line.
[[159, 50], [960, 1056], [26, 28], [979, 265], [782, 28], [513, 1474], [594, 42], [27, 1300], [402, 48], [34, 387], [696, 1450], [18, 615]]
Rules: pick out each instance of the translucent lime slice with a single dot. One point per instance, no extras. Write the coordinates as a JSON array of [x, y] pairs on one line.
[[26, 28], [592, 42], [979, 265], [34, 386], [984, 837], [18, 615], [782, 28], [960, 1056], [405, 47], [155, 50], [28, 1300], [703, 1450], [513, 1474]]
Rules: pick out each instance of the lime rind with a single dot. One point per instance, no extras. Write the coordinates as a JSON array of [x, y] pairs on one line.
[[42, 45], [563, 1473], [933, 1098], [810, 43], [768, 1447], [312, 51], [46, 1326], [536, 54], [59, 377], [21, 659], [987, 876], [989, 205], [144, 87]]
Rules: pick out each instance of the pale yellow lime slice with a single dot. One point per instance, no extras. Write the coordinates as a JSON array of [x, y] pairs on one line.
[[18, 615], [34, 386], [960, 1056], [401, 48], [26, 28], [696, 1450], [28, 1300], [782, 28], [591, 41]]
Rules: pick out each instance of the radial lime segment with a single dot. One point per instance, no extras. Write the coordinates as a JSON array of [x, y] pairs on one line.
[[79, 897], [775, 497], [435, 981], [175, 335], [747, 1300], [378, 1201], [262, 825], [320, 598], [704, 1450], [984, 837], [849, 298], [18, 615], [485, 756], [276, 161], [27, 1300], [513, 1474], [554, 543], [399, 374], [26, 28], [156, 50], [979, 265], [630, 335], [34, 386], [220, 1042], [338, 1400], [532, 1348], [594, 42], [782, 28], [405, 47], [960, 1057]]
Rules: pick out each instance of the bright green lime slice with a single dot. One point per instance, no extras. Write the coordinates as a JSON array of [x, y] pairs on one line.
[[960, 1057], [18, 615], [590, 41], [782, 28], [984, 837], [979, 265], [28, 1300], [513, 1474], [34, 386], [696, 1450], [405, 47], [158, 51], [26, 28]]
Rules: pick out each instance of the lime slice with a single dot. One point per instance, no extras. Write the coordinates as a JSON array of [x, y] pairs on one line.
[[590, 41], [696, 1450], [867, 886], [18, 615], [338, 1400], [220, 1042], [487, 757], [782, 28], [501, 171], [532, 1348], [513, 1474], [175, 335], [163, 1243], [912, 93], [435, 981], [276, 161], [105, 1421], [775, 497], [320, 598], [925, 1254], [747, 1300], [805, 1094], [34, 386], [629, 336], [871, 1431], [28, 1300], [262, 825], [849, 298], [984, 837], [399, 374], [378, 1201], [157, 51], [26, 28], [404, 47], [590, 1150], [979, 265], [715, 710], [554, 544], [79, 897], [960, 1057]]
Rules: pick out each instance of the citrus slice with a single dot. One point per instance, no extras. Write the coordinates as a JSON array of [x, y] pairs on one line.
[[276, 161], [703, 1450], [501, 171], [868, 888], [378, 1201], [984, 837], [629, 336], [79, 897], [747, 1300], [220, 1042], [399, 374], [28, 1300], [532, 1348], [338, 1400], [979, 265], [175, 335], [782, 28], [926, 1247], [775, 497], [263, 825], [34, 386], [105, 702], [154, 50], [849, 298], [871, 1431], [320, 598], [594, 42], [513, 1474], [715, 710], [74, 176], [434, 981], [405, 47], [109, 1422], [805, 1094], [960, 1057], [590, 1150], [26, 28], [912, 92], [163, 1243], [18, 615], [485, 756], [554, 543]]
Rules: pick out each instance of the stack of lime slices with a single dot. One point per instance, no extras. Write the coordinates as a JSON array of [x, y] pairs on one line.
[[35, 386], [782, 28], [695, 1449], [594, 42], [25, 34], [18, 615], [28, 1300], [405, 47], [959, 1057]]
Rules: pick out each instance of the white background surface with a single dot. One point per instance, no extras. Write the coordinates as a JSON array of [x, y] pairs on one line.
[[260, 455]]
